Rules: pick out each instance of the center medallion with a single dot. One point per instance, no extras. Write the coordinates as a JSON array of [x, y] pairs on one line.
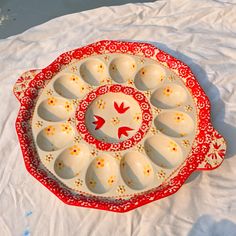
[[114, 117]]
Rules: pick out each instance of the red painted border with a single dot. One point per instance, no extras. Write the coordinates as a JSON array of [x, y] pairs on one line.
[[116, 88], [199, 149]]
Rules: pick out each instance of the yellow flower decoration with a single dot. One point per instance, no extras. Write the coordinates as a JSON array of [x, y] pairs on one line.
[[115, 121], [188, 108], [147, 170], [71, 120], [133, 66], [142, 61], [148, 93], [156, 111], [50, 130], [49, 157], [122, 163], [68, 106], [118, 156], [113, 67], [106, 58], [75, 101], [52, 101], [60, 165], [83, 88], [74, 78], [49, 92], [162, 77], [100, 162], [130, 82], [73, 68], [75, 150], [77, 139], [173, 146], [100, 68], [161, 174], [66, 128], [142, 71], [171, 77], [100, 104], [121, 189], [140, 148], [94, 152], [137, 117], [186, 143], [78, 182], [39, 124], [167, 91], [108, 81], [153, 130], [111, 180], [179, 117], [92, 183]]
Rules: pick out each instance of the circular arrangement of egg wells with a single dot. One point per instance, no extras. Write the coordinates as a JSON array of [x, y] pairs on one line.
[[144, 166]]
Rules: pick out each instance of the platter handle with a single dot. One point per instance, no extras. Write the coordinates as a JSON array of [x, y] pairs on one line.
[[216, 153], [23, 81]]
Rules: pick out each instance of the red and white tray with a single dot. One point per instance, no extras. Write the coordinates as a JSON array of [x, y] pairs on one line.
[[115, 125]]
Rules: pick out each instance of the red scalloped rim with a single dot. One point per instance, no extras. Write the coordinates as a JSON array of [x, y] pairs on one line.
[[199, 149]]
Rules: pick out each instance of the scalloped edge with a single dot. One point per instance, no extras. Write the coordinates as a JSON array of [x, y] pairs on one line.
[[38, 80]]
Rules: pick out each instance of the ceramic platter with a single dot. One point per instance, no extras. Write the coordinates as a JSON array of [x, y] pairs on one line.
[[115, 125]]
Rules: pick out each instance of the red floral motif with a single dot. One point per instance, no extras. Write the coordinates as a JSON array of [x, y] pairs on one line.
[[31, 92], [173, 64], [80, 115], [48, 74], [217, 152], [208, 165], [162, 56], [112, 48], [128, 90], [65, 58], [146, 121], [184, 71], [82, 128], [26, 101], [92, 96], [116, 88], [124, 48], [99, 122], [148, 52], [196, 157], [120, 108], [123, 131]]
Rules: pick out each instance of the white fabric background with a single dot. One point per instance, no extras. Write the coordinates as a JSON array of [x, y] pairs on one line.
[[202, 34]]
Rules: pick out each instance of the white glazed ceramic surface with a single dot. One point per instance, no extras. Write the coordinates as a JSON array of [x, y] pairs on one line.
[[145, 165]]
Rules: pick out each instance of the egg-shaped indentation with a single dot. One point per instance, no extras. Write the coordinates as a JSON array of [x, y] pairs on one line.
[[72, 160], [55, 137], [102, 174], [136, 170], [149, 77], [113, 118], [174, 123], [70, 86], [163, 151], [169, 96], [122, 68], [94, 71], [55, 109]]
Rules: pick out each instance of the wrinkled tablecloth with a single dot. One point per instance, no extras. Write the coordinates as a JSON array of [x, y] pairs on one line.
[[202, 34]]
